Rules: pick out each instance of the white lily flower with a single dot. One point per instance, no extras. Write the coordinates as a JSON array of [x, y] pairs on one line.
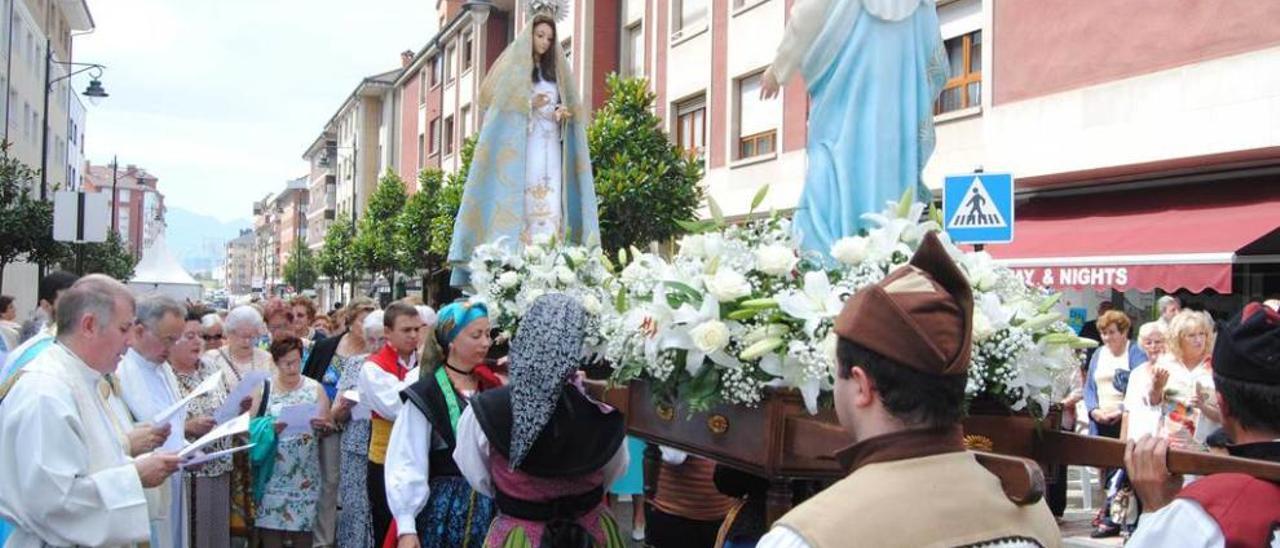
[[817, 301], [790, 373]]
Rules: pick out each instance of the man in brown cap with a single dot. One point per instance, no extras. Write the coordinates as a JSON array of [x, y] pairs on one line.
[[902, 363], [1221, 509]]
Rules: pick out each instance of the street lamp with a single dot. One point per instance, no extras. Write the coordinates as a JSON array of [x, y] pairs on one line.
[[479, 10], [95, 92]]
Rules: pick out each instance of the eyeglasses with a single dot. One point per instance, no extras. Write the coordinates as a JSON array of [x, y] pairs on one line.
[[216, 337]]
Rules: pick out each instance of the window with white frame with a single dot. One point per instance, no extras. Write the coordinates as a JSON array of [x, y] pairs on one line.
[[757, 119], [691, 125], [468, 48], [687, 16], [634, 51], [464, 123], [433, 136], [437, 69], [448, 64], [448, 136]]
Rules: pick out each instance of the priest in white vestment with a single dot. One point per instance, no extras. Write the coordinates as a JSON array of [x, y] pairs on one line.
[[150, 387], [64, 447]]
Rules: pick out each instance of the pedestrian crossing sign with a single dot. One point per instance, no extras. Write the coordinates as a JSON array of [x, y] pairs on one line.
[[977, 208]]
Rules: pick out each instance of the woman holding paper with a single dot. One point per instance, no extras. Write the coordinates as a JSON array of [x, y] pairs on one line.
[[209, 485], [364, 334], [287, 508]]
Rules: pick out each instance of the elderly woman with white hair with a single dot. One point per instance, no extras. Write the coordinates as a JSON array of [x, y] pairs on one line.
[[211, 331], [240, 355], [364, 335], [241, 330]]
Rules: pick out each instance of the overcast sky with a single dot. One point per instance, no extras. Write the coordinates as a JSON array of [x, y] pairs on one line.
[[220, 99]]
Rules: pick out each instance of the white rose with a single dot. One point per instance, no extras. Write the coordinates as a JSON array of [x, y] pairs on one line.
[[542, 239], [534, 252], [577, 255], [710, 336], [850, 251], [727, 286], [981, 326], [565, 275], [775, 260], [508, 280], [592, 305], [692, 245]]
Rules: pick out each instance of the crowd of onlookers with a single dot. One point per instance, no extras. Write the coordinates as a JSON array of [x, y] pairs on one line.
[[1159, 384]]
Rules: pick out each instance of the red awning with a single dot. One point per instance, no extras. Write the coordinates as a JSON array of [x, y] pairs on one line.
[[1176, 237]]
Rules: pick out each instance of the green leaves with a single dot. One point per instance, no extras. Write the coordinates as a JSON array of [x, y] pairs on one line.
[[26, 222], [647, 187], [300, 271], [337, 258], [375, 239]]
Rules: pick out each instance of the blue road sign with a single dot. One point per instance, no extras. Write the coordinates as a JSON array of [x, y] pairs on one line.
[[977, 208]]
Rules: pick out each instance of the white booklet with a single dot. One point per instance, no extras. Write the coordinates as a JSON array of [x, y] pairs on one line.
[[231, 406], [297, 419], [238, 425], [204, 388], [197, 458]]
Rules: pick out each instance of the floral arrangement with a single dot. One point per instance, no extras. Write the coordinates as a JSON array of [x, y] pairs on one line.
[[739, 309], [508, 278]]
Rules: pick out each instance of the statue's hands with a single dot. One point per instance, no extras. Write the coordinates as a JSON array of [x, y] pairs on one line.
[[563, 114], [540, 100], [769, 85]]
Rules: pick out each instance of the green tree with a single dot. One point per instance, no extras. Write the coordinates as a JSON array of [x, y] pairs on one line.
[[413, 230], [337, 258], [449, 201], [110, 257], [645, 184], [300, 269], [375, 239], [26, 222]]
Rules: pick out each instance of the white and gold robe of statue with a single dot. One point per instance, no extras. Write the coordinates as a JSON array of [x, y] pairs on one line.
[[67, 478]]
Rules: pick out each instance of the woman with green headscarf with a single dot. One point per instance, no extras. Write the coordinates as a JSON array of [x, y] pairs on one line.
[[541, 446], [430, 500]]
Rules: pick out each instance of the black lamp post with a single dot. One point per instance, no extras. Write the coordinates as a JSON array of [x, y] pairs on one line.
[[95, 92]]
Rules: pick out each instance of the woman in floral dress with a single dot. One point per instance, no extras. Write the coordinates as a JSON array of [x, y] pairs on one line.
[[355, 521], [287, 511]]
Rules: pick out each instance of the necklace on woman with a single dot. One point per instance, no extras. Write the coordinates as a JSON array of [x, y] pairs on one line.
[[459, 371]]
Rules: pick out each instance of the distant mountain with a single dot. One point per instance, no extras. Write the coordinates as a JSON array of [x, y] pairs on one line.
[[199, 241]]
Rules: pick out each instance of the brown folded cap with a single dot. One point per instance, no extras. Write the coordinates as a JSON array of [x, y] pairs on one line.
[[919, 316]]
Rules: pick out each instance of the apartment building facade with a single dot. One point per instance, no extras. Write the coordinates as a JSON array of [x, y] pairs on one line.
[[238, 266], [36, 41], [137, 205]]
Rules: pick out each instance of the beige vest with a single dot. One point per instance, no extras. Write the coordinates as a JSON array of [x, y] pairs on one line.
[[936, 501]]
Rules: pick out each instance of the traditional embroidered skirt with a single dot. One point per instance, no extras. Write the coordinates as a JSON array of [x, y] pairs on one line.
[[509, 532], [455, 516]]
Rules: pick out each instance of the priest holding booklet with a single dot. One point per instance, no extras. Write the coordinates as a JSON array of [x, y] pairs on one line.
[[65, 434]]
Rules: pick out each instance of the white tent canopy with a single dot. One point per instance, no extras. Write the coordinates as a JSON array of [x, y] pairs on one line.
[[159, 272]]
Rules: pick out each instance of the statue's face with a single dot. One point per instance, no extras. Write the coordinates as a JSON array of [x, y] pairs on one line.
[[543, 35]]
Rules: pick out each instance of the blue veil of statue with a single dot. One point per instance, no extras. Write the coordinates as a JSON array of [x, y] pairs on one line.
[[493, 200], [872, 83]]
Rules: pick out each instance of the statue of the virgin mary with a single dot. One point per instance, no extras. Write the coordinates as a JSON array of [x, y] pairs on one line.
[[531, 176], [873, 69]]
